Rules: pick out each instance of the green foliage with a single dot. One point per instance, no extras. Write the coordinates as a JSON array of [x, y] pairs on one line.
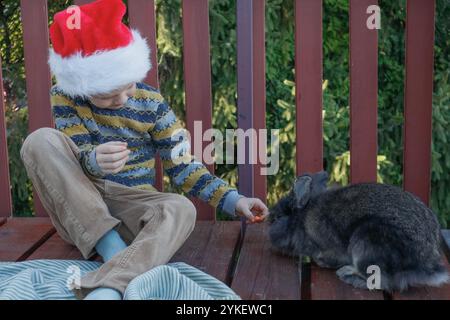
[[279, 87]]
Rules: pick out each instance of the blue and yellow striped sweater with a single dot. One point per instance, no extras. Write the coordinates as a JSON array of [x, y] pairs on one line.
[[148, 125]]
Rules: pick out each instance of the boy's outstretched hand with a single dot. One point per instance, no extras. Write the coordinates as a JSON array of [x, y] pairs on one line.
[[253, 209]]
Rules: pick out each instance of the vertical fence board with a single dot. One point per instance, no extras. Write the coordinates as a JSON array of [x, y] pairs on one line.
[[142, 16], [5, 184], [245, 88], [308, 78], [363, 94], [197, 77], [418, 97], [259, 93], [37, 72], [81, 2]]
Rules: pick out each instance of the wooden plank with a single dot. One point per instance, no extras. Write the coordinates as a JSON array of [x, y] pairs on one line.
[[426, 293], [211, 248], [20, 237], [363, 94], [5, 182], [37, 72], [325, 285], [244, 11], [197, 78], [308, 78], [142, 16], [262, 273], [418, 97], [259, 93], [56, 248]]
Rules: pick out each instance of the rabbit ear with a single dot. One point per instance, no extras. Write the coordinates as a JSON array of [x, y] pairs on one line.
[[302, 191], [319, 183], [321, 176]]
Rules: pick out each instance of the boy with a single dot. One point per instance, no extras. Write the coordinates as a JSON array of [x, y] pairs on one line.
[[94, 173]]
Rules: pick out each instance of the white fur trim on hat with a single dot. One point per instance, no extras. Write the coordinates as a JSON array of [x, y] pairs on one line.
[[103, 71]]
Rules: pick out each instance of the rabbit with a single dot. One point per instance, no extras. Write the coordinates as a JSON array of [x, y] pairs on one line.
[[357, 226]]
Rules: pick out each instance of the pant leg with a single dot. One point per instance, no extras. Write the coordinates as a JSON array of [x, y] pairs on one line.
[[160, 223], [73, 201]]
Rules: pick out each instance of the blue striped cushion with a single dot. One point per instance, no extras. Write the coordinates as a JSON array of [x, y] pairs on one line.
[[47, 280]]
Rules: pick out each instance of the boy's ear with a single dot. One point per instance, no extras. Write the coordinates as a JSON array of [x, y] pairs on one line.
[[302, 191]]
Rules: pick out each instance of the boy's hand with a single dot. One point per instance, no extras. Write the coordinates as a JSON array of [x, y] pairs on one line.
[[253, 209], [112, 156]]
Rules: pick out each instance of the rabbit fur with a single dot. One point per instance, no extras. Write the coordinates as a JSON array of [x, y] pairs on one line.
[[357, 226]]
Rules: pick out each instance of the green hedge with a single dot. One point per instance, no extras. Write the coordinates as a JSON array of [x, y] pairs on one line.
[[280, 88]]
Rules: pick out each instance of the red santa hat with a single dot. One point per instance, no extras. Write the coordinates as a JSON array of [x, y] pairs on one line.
[[94, 52]]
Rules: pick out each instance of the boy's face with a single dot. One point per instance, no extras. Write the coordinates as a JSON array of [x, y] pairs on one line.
[[115, 99]]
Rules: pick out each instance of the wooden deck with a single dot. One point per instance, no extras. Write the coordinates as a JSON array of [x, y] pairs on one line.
[[250, 266]]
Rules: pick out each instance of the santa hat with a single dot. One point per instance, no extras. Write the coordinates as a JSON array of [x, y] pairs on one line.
[[94, 52]]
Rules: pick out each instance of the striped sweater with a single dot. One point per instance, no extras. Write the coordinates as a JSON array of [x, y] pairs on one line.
[[148, 125]]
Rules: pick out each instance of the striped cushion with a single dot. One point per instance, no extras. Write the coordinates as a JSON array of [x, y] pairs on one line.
[[48, 279]]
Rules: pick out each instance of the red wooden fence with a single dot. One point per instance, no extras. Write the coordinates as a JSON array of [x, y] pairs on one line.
[[259, 89], [143, 18], [251, 85], [37, 72], [197, 79], [418, 96], [363, 94], [308, 78], [5, 191]]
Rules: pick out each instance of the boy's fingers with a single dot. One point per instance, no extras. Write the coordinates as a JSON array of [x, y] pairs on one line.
[[112, 157], [259, 210], [116, 143], [247, 213], [262, 208], [111, 148], [114, 165]]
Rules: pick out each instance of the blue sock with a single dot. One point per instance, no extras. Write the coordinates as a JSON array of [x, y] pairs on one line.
[[104, 294], [109, 245]]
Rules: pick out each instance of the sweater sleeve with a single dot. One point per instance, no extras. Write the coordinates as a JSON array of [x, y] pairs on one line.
[[67, 121], [186, 172]]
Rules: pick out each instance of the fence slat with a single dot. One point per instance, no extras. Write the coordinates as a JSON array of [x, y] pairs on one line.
[[5, 184], [259, 93], [197, 77], [141, 14], [37, 71], [418, 97], [308, 78], [81, 2], [245, 88], [363, 94], [38, 79]]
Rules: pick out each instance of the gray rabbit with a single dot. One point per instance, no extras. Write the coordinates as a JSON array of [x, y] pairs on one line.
[[357, 226]]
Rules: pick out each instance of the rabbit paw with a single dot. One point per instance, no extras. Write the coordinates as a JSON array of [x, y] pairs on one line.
[[330, 260], [350, 275]]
